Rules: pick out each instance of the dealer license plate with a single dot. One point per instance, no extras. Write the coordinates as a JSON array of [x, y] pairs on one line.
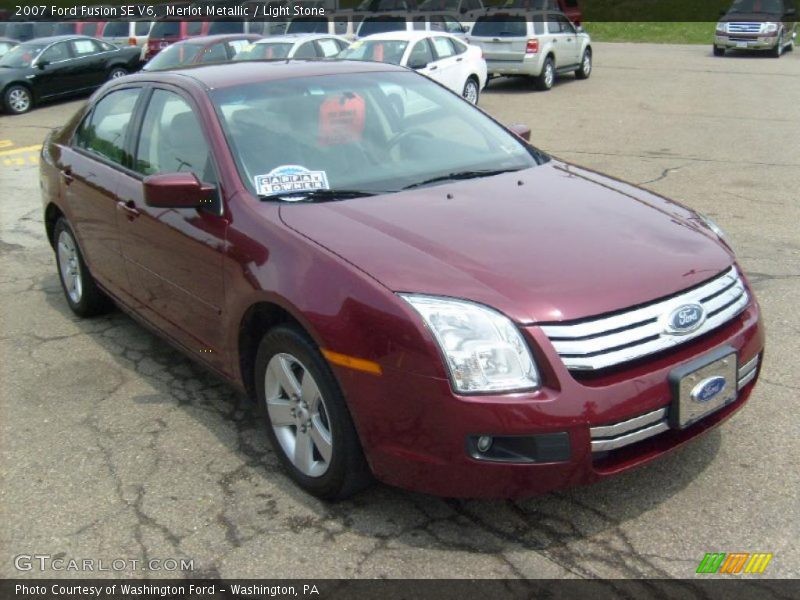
[[702, 387], [741, 44]]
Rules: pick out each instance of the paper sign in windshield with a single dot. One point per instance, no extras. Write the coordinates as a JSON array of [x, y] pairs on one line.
[[290, 179]]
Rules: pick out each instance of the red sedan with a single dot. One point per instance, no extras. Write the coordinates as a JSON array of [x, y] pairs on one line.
[[201, 50], [409, 289]]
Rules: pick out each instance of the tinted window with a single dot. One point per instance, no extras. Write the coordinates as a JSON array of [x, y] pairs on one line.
[[420, 54], [500, 26], [171, 139], [458, 46], [56, 53], [103, 132], [306, 50]]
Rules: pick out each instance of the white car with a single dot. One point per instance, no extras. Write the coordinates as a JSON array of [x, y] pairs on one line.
[[301, 45], [440, 56]]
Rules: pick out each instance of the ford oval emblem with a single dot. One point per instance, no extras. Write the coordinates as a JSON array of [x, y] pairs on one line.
[[685, 319], [708, 389]]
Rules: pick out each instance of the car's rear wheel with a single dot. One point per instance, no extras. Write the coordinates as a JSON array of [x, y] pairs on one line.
[[116, 73], [471, 91], [85, 299], [309, 424], [547, 77], [18, 99], [719, 51], [585, 69]]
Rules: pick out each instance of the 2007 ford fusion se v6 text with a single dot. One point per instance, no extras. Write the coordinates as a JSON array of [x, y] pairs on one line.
[[410, 290]]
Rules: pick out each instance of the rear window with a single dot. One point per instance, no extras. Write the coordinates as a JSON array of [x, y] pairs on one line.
[[307, 26], [116, 29], [381, 25], [504, 26], [163, 29]]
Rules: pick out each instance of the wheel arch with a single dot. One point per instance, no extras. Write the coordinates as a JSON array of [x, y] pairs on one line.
[[52, 213], [24, 84]]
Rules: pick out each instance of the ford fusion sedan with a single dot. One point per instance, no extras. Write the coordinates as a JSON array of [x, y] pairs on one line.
[[442, 57], [419, 296], [767, 25], [60, 66], [200, 50]]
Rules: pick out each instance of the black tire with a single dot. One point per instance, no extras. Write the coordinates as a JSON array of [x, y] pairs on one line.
[[547, 77], [91, 300], [347, 471], [719, 51], [17, 99], [587, 66], [116, 72], [472, 91], [777, 51]]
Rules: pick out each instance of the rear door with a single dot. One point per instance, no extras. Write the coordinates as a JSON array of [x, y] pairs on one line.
[[91, 170], [89, 62], [449, 66], [173, 257], [565, 40]]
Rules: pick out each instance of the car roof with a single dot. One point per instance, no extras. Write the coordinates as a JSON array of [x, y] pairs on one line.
[[230, 74], [408, 36], [57, 38], [296, 37], [220, 37]]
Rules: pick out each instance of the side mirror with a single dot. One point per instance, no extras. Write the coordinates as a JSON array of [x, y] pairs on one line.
[[464, 29], [42, 64], [521, 130], [417, 64], [177, 190]]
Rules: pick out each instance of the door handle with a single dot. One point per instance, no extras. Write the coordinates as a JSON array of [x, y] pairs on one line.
[[433, 68], [129, 207], [66, 175], [459, 59]]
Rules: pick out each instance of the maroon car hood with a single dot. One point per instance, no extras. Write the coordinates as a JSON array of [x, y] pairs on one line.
[[566, 243]]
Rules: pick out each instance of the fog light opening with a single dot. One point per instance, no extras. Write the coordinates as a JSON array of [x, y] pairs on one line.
[[484, 443]]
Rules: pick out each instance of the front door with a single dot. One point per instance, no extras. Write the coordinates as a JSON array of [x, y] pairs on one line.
[[52, 77], [174, 256]]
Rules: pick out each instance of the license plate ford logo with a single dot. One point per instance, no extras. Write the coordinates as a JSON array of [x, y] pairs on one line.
[[685, 319], [708, 389]]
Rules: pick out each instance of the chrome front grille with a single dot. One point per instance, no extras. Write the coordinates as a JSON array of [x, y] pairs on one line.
[[744, 27], [603, 342]]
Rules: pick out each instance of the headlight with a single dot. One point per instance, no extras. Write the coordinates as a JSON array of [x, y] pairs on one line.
[[713, 227], [483, 350], [771, 28], [722, 27]]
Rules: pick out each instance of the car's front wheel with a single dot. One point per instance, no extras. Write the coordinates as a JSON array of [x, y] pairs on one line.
[[777, 51], [719, 51], [585, 69], [471, 91], [82, 294], [308, 422], [18, 99], [547, 77]]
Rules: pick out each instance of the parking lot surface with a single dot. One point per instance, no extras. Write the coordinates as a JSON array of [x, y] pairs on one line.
[[115, 446]]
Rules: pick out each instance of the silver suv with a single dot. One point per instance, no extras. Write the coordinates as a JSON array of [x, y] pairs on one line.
[[538, 44]]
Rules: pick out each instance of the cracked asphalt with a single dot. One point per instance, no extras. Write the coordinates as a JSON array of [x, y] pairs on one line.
[[113, 445]]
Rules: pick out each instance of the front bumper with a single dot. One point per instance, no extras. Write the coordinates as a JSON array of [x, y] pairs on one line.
[[742, 42], [417, 434]]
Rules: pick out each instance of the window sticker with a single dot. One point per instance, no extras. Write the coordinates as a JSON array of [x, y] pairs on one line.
[[290, 179], [341, 119]]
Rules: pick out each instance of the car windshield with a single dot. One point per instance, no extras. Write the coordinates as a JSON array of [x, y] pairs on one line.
[[307, 26], [265, 51], [388, 51], [500, 26], [361, 133], [21, 56], [381, 25], [174, 56], [757, 6]]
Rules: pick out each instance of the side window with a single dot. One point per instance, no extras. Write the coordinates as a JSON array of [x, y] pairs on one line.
[[420, 54], [142, 28], [172, 140], [56, 53], [437, 23], [553, 24], [419, 23], [84, 47], [340, 25], [215, 53], [328, 47], [452, 26], [443, 47], [104, 130], [306, 50], [566, 25], [538, 25], [459, 47], [237, 46]]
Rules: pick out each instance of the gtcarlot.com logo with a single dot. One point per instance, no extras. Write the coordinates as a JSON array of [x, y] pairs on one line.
[[58, 562], [734, 563]]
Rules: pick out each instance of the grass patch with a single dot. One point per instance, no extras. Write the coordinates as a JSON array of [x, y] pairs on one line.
[[657, 33]]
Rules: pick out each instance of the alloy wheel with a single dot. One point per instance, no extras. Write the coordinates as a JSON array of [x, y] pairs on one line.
[[69, 267], [298, 415], [587, 63], [471, 91], [19, 100], [549, 75]]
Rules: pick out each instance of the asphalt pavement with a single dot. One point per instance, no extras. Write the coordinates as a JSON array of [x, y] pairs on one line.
[[113, 446]]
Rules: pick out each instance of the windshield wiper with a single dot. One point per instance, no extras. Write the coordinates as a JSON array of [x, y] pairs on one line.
[[461, 175], [319, 195]]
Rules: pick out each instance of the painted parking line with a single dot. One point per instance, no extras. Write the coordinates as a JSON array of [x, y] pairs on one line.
[[18, 157], [22, 150]]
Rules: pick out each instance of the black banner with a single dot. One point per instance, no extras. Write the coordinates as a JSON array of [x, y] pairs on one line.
[[733, 588]]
